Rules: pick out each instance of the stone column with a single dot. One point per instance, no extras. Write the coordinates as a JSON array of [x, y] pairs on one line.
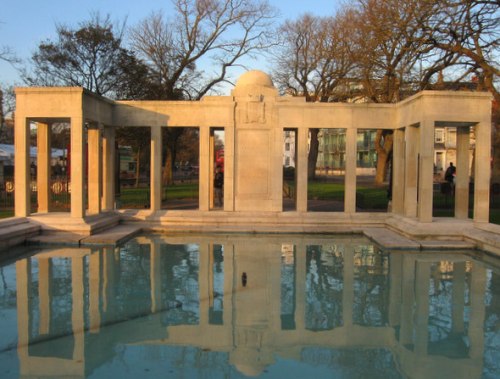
[[350, 171], [155, 179], [211, 169], [108, 168], [398, 172], [155, 276], [94, 291], [411, 171], [95, 169], [77, 167], [43, 167], [22, 188], [462, 174], [426, 171], [204, 170], [45, 293], [301, 170], [482, 171], [229, 151]]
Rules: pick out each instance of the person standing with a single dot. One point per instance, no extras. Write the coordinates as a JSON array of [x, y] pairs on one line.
[[218, 185]]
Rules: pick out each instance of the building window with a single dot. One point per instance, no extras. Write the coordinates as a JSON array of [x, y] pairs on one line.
[[439, 136]]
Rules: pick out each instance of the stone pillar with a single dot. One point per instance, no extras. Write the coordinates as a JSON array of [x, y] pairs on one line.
[[77, 167], [94, 291], [398, 172], [229, 151], [348, 287], [350, 171], [204, 171], [22, 188], [43, 167], [301, 170], [482, 171], [95, 169], [462, 174], [45, 293], [426, 171], [422, 307], [411, 171], [155, 276], [108, 169], [211, 169], [156, 179]]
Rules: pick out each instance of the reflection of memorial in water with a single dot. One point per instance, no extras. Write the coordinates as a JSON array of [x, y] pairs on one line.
[[325, 303]]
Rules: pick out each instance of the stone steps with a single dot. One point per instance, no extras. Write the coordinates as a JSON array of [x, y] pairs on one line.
[[15, 231]]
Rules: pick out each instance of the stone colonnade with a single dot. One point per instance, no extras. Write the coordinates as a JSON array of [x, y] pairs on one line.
[[253, 120]]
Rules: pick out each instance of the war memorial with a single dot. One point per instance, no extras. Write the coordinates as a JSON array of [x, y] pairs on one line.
[[253, 120]]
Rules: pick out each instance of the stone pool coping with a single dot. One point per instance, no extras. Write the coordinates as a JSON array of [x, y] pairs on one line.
[[390, 232]]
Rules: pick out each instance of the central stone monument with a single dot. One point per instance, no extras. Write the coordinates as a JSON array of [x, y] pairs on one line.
[[258, 144]]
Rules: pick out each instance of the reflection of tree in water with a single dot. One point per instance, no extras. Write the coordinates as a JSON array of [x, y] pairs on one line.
[[371, 286], [324, 284], [492, 325], [180, 289], [133, 287]]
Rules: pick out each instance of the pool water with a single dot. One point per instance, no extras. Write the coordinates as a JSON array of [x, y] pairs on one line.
[[237, 306]]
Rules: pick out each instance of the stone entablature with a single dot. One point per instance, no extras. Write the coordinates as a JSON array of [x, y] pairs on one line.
[[253, 119]]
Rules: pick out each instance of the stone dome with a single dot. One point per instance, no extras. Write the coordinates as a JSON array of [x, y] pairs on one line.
[[254, 78]]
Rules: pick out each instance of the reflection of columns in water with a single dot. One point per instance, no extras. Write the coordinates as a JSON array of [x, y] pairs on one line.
[[206, 251], [396, 281], [422, 285], [348, 286], [45, 293], [458, 298], [300, 286], [78, 311], [228, 304], [108, 280], [94, 291], [23, 289], [477, 313], [407, 295], [155, 275]]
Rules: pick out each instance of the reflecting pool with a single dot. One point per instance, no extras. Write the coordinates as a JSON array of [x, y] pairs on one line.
[[277, 306]]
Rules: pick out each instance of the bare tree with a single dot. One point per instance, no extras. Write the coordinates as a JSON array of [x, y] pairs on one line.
[[219, 31], [468, 29], [314, 61]]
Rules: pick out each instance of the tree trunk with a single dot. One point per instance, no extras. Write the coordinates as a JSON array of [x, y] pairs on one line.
[[313, 154], [137, 167], [383, 146], [167, 175]]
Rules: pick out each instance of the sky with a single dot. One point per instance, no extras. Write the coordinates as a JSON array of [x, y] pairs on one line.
[[25, 23]]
